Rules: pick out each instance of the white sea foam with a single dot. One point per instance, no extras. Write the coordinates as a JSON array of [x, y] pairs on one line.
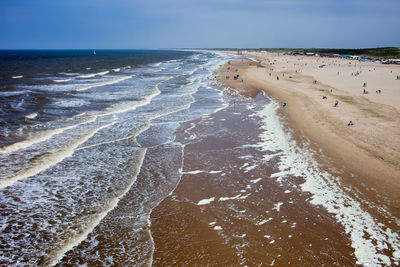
[[30, 116], [61, 80], [71, 103], [201, 171], [264, 221], [193, 172], [244, 165], [245, 196], [49, 160], [94, 74], [129, 106], [93, 85], [368, 238], [217, 228], [112, 204], [255, 180], [229, 198], [39, 137], [249, 168], [17, 77], [12, 93], [206, 201], [277, 206], [117, 69]]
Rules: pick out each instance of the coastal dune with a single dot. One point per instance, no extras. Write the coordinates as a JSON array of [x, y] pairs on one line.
[[366, 154]]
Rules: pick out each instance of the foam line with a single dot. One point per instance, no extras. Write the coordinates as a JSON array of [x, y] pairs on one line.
[[31, 116], [48, 160], [143, 102], [205, 201], [93, 85], [112, 204], [61, 80], [370, 239], [94, 74], [40, 137], [141, 130]]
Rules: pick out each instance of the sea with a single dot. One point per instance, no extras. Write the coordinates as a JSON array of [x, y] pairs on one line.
[[140, 158]]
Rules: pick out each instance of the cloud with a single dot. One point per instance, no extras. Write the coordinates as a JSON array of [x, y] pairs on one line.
[[198, 23]]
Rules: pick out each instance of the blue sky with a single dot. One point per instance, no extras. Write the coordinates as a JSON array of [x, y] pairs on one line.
[[96, 24]]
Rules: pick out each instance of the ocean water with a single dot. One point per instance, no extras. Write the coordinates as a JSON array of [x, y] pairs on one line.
[[97, 153], [75, 131]]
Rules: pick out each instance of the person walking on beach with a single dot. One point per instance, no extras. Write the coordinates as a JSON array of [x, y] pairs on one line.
[[336, 104]]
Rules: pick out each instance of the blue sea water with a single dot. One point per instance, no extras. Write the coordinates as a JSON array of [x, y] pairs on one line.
[[88, 149], [75, 129]]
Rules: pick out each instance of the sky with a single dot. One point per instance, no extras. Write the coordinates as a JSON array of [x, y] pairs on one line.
[[153, 24]]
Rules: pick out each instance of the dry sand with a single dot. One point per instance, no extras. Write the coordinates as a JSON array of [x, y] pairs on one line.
[[230, 209], [367, 153]]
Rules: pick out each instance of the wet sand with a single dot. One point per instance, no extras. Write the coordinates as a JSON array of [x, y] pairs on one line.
[[368, 150], [234, 205], [228, 211]]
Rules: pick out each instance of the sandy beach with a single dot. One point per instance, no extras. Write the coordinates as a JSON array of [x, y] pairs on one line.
[[366, 154], [227, 211], [267, 184]]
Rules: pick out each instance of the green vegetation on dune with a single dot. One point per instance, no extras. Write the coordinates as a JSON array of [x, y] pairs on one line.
[[380, 52]]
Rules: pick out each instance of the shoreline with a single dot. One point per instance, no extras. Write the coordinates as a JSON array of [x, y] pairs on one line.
[[359, 157], [227, 211], [256, 189]]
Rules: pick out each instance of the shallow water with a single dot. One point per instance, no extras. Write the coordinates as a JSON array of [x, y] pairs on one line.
[[249, 195], [138, 158], [98, 139]]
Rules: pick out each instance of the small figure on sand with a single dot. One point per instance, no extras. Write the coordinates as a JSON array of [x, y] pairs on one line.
[[350, 123], [336, 104], [315, 81], [365, 91], [277, 78], [365, 85], [324, 97], [284, 105], [397, 78]]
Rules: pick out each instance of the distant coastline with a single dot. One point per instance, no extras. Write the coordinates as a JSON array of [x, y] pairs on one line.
[[375, 53]]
